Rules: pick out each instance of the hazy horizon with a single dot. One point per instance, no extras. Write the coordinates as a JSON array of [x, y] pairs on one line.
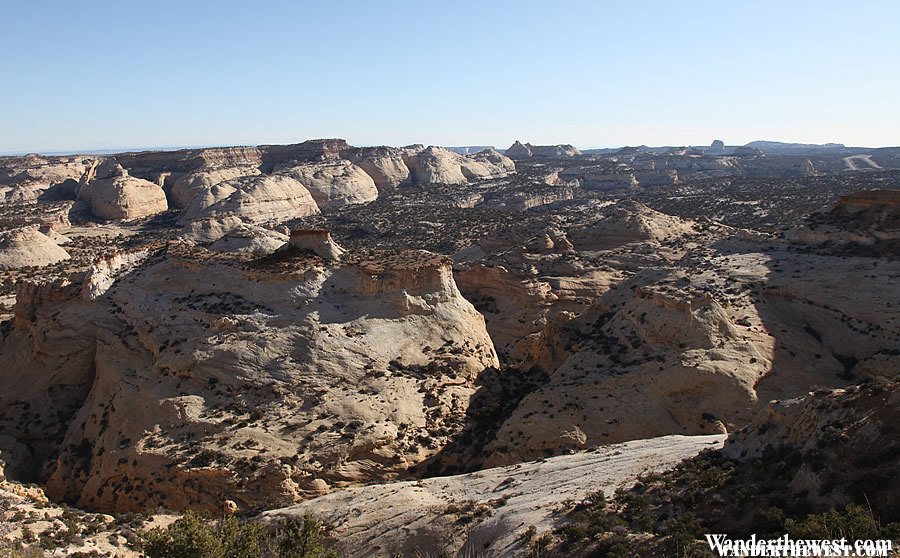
[[97, 75], [114, 150]]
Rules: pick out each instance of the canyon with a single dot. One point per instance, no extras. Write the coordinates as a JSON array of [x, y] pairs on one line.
[[433, 348]]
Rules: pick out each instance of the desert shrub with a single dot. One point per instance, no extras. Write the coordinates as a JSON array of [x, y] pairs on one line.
[[194, 536], [589, 519], [19, 551], [189, 537], [853, 522], [303, 539]]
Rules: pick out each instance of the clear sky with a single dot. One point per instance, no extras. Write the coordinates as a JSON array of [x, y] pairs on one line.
[[133, 73]]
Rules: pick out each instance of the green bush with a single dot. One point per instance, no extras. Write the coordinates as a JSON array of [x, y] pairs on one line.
[[194, 536], [853, 522]]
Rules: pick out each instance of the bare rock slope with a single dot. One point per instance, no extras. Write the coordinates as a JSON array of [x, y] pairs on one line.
[[497, 505], [181, 378]]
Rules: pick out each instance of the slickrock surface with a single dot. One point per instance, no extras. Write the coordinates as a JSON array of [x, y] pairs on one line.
[[493, 505], [193, 378], [334, 183], [250, 239], [29, 247], [436, 165], [384, 164], [264, 199], [189, 185]]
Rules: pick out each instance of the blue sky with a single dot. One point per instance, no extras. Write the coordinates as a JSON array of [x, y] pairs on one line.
[[91, 74]]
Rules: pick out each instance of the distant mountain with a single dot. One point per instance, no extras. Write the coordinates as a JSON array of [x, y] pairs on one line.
[[784, 148]]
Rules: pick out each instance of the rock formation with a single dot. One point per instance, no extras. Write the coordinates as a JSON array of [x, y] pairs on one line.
[[28, 247], [25, 179], [333, 183], [189, 185], [487, 164], [384, 164], [192, 378], [436, 165], [867, 218], [316, 241], [112, 194], [843, 439], [498, 506], [697, 347], [518, 150], [250, 199], [251, 240]]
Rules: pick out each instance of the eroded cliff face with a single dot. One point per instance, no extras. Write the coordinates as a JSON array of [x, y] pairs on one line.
[[192, 377], [701, 345], [25, 179]]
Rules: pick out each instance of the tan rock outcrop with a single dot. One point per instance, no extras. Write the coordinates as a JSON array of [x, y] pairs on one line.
[[436, 165], [519, 150], [498, 506], [28, 247], [333, 183], [199, 378], [384, 164], [189, 185], [868, 218], [251, 240], [701, 346], [317, 241], [487, 164], [25, 179], [112, 194], [264, 199], [844, 439]]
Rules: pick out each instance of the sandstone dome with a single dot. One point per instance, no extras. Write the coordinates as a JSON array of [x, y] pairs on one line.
[[28, 247], [334, 183], [189, 185], [487, 164], [436, 165], [252, 199], [251, 240], [384, 164], [120, 196]]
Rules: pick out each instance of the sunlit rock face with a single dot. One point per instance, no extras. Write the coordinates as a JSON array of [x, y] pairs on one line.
[[191, 376]]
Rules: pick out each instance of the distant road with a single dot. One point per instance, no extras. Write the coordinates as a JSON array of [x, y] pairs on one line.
[[851, 164]]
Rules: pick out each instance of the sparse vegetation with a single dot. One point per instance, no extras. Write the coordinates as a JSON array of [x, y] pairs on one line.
[[195, 536]]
